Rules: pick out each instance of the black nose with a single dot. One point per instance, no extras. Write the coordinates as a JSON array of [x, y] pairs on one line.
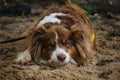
[[61, 57]]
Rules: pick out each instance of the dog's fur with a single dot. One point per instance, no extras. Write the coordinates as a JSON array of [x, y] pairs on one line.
[[69, 38]]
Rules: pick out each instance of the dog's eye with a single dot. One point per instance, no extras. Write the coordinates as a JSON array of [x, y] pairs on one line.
[[68, 44], [50, 47]]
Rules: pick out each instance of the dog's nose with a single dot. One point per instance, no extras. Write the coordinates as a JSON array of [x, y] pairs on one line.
[[61, 57]]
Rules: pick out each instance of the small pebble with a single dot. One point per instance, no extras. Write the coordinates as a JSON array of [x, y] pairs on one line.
[[4, 51]]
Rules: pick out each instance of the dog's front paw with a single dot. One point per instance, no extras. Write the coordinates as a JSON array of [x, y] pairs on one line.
[[22, 57]]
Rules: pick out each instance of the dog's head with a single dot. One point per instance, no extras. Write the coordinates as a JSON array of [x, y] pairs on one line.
[[61, 45], [68, 37]]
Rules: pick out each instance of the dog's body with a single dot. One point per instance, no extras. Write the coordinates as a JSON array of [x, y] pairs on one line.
[[61, 35]]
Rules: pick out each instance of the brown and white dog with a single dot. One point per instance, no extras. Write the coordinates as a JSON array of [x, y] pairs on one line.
[[61, 35]]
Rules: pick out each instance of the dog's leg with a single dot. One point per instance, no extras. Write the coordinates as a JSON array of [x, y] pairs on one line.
[[43, 62], [73, 61], [23, 57]]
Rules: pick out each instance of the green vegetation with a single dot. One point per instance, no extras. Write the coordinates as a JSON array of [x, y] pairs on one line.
[[88, 8]]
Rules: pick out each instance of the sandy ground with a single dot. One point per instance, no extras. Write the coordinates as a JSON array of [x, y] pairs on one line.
[[107, 57]]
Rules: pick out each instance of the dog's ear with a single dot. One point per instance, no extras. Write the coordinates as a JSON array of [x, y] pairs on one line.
[[84, 50], [80, 35], [36, 43]]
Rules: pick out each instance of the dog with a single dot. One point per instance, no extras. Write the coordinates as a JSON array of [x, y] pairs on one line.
[[61, 35]]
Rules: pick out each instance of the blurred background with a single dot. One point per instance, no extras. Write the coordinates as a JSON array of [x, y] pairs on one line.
[[18, 7]]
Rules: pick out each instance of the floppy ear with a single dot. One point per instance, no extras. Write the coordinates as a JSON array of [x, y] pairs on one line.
[[84, 50], [36, 44], [82, 44]]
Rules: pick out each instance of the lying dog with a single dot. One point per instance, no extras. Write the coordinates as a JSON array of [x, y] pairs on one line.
[[61, 35]]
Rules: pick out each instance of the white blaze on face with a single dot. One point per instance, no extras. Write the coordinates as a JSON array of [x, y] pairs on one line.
[[56, 37], [59, 51], [51, 18]]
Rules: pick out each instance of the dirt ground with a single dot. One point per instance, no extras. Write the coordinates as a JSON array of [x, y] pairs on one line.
[[106, 63]]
